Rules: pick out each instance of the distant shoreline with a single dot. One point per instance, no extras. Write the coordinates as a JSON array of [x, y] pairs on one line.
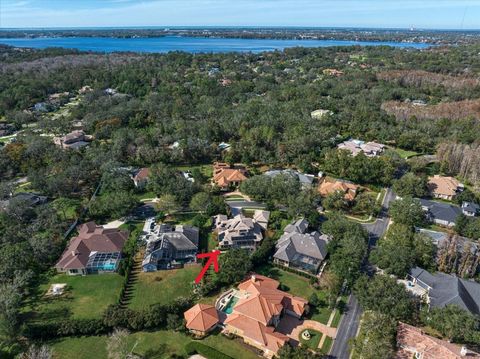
[[434, 37]]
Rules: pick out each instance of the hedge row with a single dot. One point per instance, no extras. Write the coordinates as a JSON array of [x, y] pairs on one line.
[[205, 350], [156, 316]]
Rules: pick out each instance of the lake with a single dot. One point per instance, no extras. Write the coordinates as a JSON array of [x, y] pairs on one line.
[[187, 44]]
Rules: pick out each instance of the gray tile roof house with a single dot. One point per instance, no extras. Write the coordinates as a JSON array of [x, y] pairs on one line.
[[470, 209], [440, 239], [170, 247], [241, 231], [301, 250], [305, 180], [443, 289], [31, 199], [444, 214]]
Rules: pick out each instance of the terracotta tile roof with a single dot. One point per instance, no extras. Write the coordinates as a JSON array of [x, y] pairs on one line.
[[444, 186], [253, 313], [201, 317], [411, 340], [224, 174], [91, 238], [254, 330], [142, 174], [228, 175], [328, 187]]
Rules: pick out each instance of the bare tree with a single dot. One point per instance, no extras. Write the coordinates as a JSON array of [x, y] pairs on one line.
[[35, 352], [118, 347]]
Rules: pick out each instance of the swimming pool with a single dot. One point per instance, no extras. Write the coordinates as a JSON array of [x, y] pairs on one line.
[[229, 307]]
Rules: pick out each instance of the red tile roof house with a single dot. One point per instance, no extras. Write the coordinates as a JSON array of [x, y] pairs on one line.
[[94, 250], [201, 319], [141, 177], [260, 308], [413, 343], [226, 176]]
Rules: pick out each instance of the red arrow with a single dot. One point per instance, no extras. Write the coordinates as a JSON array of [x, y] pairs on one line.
[[212, 258]]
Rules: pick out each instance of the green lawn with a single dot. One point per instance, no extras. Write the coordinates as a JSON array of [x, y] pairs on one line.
[[212, 242], [294, 283], [86, 297], [207, 170], [79, 347], [312, 343], [327, 344], [403, 153], [163, 286], [162, 344], [145, 195], [67, 208]]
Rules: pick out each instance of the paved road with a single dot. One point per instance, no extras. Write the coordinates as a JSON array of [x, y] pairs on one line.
[[347, 330], [377, 229], [351, 320]]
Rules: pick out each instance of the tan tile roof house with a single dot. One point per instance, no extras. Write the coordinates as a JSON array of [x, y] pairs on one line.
[[413, 343], [444, 187], [226, 176], [370, 149], [331, 186], [94, 250], [75, 139], [201, 319], [258, 312]]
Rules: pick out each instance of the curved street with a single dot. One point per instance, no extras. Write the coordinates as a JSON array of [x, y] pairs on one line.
[[348, 328]]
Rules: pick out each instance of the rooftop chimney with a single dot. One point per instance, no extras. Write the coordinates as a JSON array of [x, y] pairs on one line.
[[463, 351], [253, 278]]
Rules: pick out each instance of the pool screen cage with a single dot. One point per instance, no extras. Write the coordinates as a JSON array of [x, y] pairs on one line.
[[103, 262]]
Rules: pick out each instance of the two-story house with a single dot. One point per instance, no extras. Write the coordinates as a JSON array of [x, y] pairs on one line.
[[170, 247]]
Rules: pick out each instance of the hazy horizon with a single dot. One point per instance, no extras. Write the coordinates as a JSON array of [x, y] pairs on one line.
[[355, 14]]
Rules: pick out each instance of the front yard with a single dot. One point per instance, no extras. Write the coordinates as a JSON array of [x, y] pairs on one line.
[[86, 297], [163, 286]]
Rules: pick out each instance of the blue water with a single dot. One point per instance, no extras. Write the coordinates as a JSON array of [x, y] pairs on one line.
[[229, 307], [187, 44]]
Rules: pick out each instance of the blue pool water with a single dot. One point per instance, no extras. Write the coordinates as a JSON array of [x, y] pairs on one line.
[[229, 307], [188, 44]]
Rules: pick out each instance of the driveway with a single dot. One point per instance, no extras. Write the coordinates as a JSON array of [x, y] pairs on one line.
[[293, 327], [237, 206]]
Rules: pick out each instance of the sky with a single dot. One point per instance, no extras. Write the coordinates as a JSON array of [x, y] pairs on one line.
[[421, 14]]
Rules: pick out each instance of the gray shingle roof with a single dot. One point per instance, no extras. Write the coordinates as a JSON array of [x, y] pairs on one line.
[[447, 289], [295, 243], [304, 179], [470, 207], [299, 226], [441, 211]]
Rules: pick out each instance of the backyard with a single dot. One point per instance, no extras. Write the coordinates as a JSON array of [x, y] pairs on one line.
[[159, 344], [163, 286], [86, 297]]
